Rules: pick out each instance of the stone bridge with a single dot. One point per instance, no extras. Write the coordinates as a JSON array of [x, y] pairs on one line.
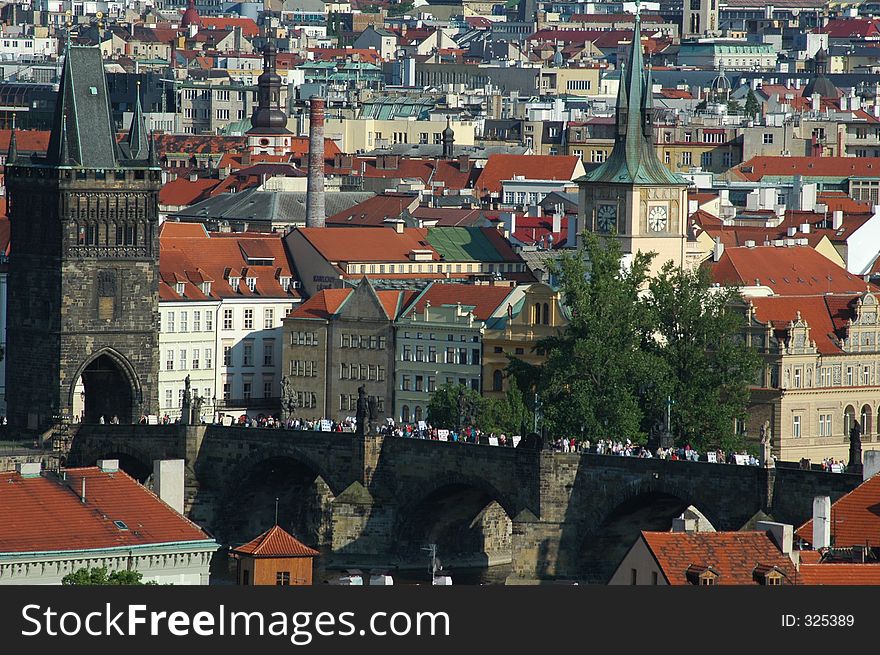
[[379, 500]]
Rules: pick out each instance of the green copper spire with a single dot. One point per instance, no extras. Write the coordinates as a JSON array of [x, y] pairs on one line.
[[633, 159]]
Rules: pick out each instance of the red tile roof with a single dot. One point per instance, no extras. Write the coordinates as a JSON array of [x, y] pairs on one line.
[[45, 513], [756, 168], [532, 167], [190, 254], [840, 201], [733, 555], [276, 542], [375, 210], [327, 302], [183, 192], [484, 298], [248, 26], [530, 230], [368, 244], [789, 271], [826, 316], [846, 28], [27, 141], [839, 574], [442, 171], [451, 217], [855, 518]]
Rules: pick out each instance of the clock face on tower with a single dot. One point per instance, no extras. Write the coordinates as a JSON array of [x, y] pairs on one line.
[[658, 218], [606, 217]]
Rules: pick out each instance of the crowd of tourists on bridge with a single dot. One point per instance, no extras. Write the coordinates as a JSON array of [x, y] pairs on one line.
[[473, 435]]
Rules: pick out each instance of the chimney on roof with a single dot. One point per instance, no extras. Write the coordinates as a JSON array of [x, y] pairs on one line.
[[821, 522], [782, 535], [837, 219], [168, 481], [315, 215], [108, 465], [82, 495], [805, 228], [872, 464], [557, 223], [815, 99], [29, 469], [464, 163], [718, 250]]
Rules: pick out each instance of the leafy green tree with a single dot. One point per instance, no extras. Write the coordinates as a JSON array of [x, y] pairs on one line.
[[752, 108], [595, 370], [99, 576], [454, 406], [507, 415], [705, 365]]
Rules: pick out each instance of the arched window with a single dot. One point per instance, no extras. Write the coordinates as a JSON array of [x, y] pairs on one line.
[[497, 380], [418, 416], [404, 414], [867, 426], [546, 319], [849, 415], [536, 314]]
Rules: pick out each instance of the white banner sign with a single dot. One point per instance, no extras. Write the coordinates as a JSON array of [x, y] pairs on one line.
[[712, 457], [443, 435], [493, 441], [326, 425], [741, 460], [516, 439], [423, 425]]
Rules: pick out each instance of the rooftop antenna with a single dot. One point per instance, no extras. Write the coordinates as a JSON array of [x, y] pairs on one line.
[[276, 510]]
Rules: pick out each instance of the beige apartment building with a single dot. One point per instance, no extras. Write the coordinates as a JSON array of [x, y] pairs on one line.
[[821, 373], [362, 135]]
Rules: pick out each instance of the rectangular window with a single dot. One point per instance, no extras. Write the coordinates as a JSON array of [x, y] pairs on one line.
[[268, 318], [267, 389], [169, 398], [246, 390], [183, 359], [248, 354], [475, 356], [169, 360], [407, 353], [432, 384], [797, 378], [209, 320], [686, 158], [268, 352], [768, 138], [381, 374], [197, 321], [420, 353], [866, 375], [796, 427], [346, 341], [248, 319], [170, 321], [227, 390], [227, 319], [849, 376], [209, 358], [419, 381], [432, 354], [405, 384], [195, 360], [381, 343], [227, 355]]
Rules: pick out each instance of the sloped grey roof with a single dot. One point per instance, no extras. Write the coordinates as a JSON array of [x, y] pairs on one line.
[[81, 131], [254, 205]]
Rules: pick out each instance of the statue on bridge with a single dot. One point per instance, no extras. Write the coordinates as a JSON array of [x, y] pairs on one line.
[[373, 406], [186, 403], [362, 411], [288, 400], [196, 410], [855, 449], [766, 459]]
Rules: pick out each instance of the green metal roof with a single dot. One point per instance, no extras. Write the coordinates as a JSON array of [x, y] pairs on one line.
[[463, 244], [633, 159]]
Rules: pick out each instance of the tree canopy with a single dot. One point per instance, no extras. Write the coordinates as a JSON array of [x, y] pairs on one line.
[[99, 576], [634, 343]]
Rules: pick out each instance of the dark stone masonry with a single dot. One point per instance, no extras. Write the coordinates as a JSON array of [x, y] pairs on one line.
[[363, 499]]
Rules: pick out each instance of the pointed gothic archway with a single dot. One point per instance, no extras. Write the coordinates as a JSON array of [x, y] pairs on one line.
[[106, 386]]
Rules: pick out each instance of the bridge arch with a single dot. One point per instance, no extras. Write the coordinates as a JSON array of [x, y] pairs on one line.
[[135, 462], [105, 385], [286, 477], [466, 516], [614, 525]]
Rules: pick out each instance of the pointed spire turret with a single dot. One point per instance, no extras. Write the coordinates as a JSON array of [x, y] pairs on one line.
[[633, 159], [64, 155], [137, 132], [12, 155], [151, 155]]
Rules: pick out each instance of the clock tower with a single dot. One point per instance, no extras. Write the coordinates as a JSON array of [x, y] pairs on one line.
[[632, 196]]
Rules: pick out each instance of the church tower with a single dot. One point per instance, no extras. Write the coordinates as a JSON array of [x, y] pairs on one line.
[[83, 269], [269, 134], [699, 18], [632, 194]]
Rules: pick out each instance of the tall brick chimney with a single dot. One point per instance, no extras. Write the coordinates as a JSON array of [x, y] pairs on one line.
[[315, 192]]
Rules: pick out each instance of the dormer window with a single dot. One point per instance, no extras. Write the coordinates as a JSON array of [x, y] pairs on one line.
[[284, 281], [252, 283], [206, 288], [769, 576], [234, 282], [704, 576], [179, 287]]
